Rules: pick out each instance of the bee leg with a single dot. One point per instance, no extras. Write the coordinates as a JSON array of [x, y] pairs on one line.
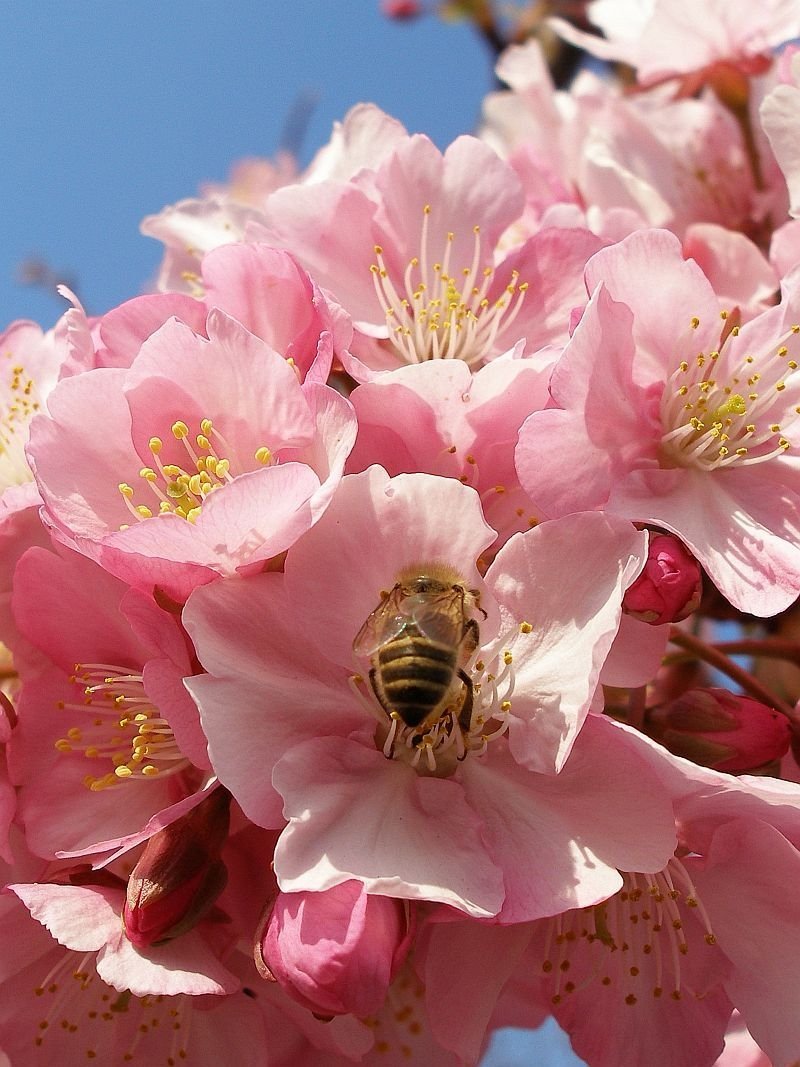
[[470, 640], [465, 714]]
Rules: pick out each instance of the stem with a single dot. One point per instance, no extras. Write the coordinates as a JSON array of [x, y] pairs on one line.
[[715, 658], [637, 707], [770, 648]]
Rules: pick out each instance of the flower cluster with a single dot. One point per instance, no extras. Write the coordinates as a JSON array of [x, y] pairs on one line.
[[363, 684]]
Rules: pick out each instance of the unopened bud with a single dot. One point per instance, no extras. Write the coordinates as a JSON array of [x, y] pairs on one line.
[[719, 729], [401, 9], [669, 587], [179, 875], [335, 952]]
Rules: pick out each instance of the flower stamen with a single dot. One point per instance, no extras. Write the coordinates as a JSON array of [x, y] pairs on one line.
[[126, 729], [443, 314]]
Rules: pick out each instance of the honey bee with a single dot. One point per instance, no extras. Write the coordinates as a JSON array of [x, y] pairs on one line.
[[418, 640]]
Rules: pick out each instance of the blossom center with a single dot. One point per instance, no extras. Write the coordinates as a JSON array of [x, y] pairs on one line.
[[725, 408], [635, 941], [81, 1007], [401, 1027], [120, 726], [437, 748], [435, 701], [180, 489], [440, 311], [19, 402]]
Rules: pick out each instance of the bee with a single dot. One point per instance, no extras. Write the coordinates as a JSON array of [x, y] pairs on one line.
[[418, 640]]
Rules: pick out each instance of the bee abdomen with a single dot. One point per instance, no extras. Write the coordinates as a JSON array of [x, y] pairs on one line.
[[416, 675]]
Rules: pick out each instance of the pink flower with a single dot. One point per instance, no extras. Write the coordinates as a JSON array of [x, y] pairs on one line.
[[295, 729], [262, 288], [659, 965], [727, 731], [779, 117], [106, 735], [456, 424], [87, 918], [43, 983], [204, 457], [335, 952], [33, 362], [401, 9], [617, 163], [668, 38], [669, 587], [671, 417], [179, 874], [411, 251]]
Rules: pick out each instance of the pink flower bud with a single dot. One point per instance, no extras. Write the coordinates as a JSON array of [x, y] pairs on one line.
[[337, 951], [401, 9], [179, 875], [669, 587], [723, 730]]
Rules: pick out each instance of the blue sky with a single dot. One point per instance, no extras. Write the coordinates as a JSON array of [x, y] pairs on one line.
[[110, 110]]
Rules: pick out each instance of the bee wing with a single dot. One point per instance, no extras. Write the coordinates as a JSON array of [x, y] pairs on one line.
[[384, 623], [439, 618]]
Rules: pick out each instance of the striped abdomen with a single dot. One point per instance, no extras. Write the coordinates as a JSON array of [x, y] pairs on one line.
[[415, 676]]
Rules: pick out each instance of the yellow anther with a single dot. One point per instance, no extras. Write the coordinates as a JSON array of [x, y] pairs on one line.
[[148, 474], [695, 322], [123, 771], [179, 430], [202, 441], [155, 445], [222, 467], [192, 515], [63, 745], [149, 771], [144, 511], [263, 455], [126, 490], [525, 628]]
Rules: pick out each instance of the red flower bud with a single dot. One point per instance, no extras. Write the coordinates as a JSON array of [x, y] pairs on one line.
[[669, 587], [179, 875], [719, 729], [337, 951], [401, 9]]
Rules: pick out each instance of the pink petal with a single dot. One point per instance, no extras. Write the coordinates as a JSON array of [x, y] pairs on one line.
[[354, 814]]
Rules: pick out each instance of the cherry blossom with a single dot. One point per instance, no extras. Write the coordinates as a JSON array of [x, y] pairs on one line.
[[696, 418], [667, 38], [343, 767], [105, 735], [204, 457]]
